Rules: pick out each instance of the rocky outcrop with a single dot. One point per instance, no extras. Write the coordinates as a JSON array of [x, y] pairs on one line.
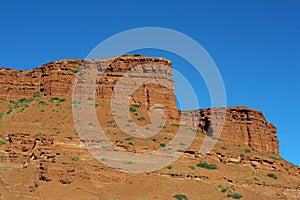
[[56, 79], [242, 125]]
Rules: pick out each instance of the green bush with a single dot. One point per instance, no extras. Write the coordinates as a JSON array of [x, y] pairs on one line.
[[130, 143], [169, 167], [2, 142], [207, 166], [110, 122], [54, 99], [242, 155], [141, 118], [177, 125], [247, 151], [235, 196], [224, 148], [132, 109], [180, 197], [162, 144], [272, 176], [136, 105]]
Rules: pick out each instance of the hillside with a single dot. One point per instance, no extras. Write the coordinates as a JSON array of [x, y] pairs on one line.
[[43, 155]]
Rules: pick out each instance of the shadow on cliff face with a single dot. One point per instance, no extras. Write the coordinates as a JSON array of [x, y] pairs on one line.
[[205, 126]]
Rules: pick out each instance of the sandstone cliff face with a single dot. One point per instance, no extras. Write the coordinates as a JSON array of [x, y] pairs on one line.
[[242, 125]]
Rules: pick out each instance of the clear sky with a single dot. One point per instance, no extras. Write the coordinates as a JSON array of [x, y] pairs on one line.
[[255, 44]]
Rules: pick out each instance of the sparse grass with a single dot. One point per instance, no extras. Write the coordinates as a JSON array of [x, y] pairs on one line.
[[128, 163], [207, 166], [192, 167], [2, 142], [56, 99], [74, 158], [224, 148], [255, 179], [76, 70], [177, 125], [274, 158], [234, 195], [272, 176], [180, 197], [90, 99], [39, 134]]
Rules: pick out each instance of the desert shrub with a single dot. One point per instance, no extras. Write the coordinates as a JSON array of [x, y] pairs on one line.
[[2, 142], [132, 109], [192, 167], [242, 155], [207, 166], [136, 105], [54, 99], [130, 143], [223, 189], [42, 103], [110, 122], [73, 158], [141, 118], [162, 144], [247, 151], [180, 197], [224, 148], [235, 196], [272, 176], [76, 70], [61, 100], [9, 111], [169, 167], [39, 134]]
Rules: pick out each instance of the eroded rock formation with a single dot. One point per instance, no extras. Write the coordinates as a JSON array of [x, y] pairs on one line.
[[242, 125]]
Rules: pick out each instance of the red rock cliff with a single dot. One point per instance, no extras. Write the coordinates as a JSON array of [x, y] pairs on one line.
[[242, 125]]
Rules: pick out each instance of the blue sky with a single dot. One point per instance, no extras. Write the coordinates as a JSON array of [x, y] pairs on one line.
[[255, 44]]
